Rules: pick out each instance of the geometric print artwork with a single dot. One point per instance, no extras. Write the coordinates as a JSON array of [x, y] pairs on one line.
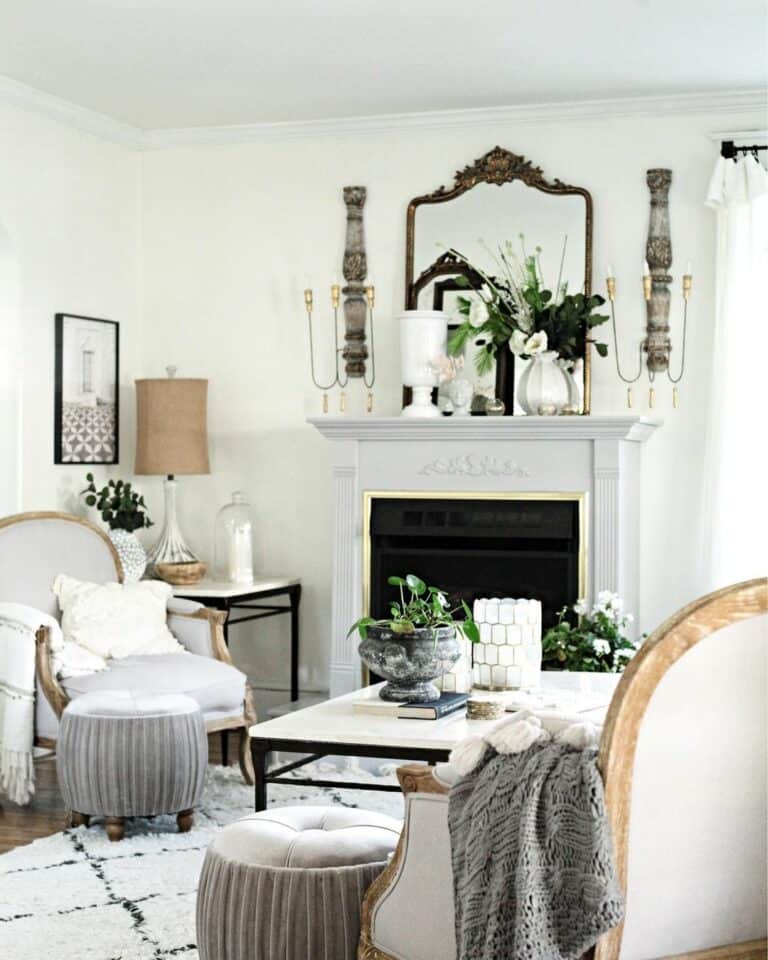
[[88, 433], [76, 896], [86, 421]]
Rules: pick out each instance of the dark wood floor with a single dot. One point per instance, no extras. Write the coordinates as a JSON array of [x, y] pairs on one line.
[[46, 813]]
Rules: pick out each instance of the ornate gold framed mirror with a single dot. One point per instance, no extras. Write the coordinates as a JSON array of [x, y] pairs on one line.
[[474, 217]]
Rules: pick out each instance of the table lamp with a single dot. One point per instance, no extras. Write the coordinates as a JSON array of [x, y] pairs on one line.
[[172, 439]]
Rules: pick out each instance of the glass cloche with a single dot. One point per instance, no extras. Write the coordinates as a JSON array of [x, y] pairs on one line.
[[234, 541]]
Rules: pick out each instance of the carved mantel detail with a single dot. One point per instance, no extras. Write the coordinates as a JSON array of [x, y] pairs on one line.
[[470, 465]]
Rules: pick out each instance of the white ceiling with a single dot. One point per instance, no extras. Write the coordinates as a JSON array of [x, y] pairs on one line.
[[186, 63]]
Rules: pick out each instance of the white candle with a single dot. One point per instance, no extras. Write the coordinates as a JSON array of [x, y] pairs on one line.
[[609, 273], [240, 562], [646, 269], [688, 269]]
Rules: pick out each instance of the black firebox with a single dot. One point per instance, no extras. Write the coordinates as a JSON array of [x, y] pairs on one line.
[[478, 548]]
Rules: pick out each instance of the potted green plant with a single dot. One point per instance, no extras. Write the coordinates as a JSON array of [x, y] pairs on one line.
[[417, 643], [123, 509], [595, 643]]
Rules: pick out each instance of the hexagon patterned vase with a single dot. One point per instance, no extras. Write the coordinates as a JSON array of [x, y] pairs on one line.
[[508, 656]]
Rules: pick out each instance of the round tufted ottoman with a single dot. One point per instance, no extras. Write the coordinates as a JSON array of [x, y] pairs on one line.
[[121, 755], [287, 883]]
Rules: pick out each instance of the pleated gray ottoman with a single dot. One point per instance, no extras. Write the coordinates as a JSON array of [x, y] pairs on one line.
[[288, 883], [126, 755]]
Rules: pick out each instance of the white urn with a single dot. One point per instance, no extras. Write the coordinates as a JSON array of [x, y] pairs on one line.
[[423, 340]]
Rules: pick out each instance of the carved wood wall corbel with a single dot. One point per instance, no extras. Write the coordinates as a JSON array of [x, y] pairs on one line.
[[355, 268], [658, 253]]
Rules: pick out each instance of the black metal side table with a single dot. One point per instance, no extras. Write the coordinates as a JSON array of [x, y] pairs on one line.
[[249, 598]]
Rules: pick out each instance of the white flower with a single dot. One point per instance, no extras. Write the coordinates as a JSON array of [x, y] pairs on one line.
[[478, 314], [485, 293], [442, 600], [601, 646], [517, 342], [580, 607], [536, 343], [628, 618], [609, 604]]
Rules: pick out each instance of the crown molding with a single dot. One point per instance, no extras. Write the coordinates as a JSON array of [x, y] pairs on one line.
[[90, 121], [738, 135], [64, 111], [728, 102]]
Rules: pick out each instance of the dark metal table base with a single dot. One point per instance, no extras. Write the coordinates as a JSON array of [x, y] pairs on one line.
[[245, 601], [261, 748]]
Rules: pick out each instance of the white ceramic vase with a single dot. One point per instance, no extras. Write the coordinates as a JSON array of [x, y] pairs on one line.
[[543, 387], [423, 339], [133, 556]]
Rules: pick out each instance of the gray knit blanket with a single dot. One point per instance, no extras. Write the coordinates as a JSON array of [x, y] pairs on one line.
[[532, 856]]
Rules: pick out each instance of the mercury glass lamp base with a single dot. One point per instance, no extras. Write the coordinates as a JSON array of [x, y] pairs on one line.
[[170, 548]]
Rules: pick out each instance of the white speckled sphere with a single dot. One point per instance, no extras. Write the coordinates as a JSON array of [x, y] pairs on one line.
[[132, 555]]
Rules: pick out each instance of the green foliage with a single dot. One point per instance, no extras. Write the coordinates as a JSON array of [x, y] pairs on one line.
[[595, 643], [118, 503], [518, 305], [420, 606]]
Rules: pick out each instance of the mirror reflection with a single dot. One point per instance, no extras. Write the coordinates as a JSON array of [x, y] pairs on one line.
[[501, 200]]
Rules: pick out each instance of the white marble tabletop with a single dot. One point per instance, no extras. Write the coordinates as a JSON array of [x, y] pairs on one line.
[[209, 587], [335, 721]]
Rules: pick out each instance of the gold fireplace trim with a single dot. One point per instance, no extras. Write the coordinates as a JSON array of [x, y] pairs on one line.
[[370, 495]]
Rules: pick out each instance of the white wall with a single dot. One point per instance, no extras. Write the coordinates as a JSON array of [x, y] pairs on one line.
[[233, 233], [10, 377], [70, 205]]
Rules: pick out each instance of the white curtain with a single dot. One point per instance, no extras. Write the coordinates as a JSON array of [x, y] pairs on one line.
[[736, 494]]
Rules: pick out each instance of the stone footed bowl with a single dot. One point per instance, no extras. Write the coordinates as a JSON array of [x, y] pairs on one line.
[[410, 662]]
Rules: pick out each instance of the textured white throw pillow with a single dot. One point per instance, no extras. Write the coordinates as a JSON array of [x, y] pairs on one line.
[[115, 620]]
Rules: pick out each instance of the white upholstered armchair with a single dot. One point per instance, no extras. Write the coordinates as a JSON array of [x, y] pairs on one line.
[[35, 548], [683, 758]]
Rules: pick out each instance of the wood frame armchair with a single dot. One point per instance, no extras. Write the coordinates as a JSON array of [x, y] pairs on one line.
[[60, 542], [734, 624]]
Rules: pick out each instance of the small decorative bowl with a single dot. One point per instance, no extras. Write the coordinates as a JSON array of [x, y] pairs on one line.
[[181, 574]]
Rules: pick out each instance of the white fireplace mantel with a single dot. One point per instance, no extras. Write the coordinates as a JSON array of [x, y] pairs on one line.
[[598, 456]]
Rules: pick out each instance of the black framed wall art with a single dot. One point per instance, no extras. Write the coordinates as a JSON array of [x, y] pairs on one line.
[[86, 406]]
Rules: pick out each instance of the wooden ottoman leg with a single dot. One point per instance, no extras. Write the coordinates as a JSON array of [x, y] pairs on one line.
[[79, 819], [185, 819], [115, 828]]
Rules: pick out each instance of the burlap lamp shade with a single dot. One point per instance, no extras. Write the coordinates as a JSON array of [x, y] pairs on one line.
[[172, 426], [171, 439]]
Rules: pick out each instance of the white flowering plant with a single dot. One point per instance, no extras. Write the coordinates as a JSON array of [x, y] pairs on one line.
[[596, 642], [516, 309]]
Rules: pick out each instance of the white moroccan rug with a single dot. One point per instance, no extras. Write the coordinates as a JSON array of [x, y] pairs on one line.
[[76, 896]]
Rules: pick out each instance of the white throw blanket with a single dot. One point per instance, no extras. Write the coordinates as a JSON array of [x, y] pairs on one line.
[[18, 625]]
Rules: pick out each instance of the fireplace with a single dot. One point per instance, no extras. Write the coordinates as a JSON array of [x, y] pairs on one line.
[[481, 505], [474, 545]]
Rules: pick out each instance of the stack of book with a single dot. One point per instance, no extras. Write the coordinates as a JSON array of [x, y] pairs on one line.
[[372, 704]]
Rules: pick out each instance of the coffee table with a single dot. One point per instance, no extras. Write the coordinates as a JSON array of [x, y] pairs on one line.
[[332, 728]]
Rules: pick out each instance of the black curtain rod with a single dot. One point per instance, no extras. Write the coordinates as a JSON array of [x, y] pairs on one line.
[[728, 149]]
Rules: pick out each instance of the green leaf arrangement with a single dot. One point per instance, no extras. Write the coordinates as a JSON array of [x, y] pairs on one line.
[[517, 305], [118, 503], [420, 607]]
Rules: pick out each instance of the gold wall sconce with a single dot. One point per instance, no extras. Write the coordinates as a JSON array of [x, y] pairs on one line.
[[657, 345], [338, 379]]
